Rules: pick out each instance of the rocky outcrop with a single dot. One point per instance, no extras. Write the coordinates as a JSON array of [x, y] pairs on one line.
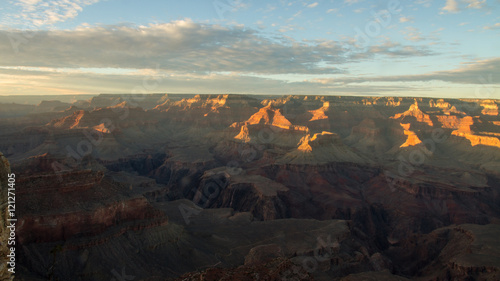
[[269, 116], [412, 139], [478, 140], [414, 111], [455, 252], [60, 227], [449, 121], [246, 193], [321, 148], [490, 107], [464, 130], [446, 107]]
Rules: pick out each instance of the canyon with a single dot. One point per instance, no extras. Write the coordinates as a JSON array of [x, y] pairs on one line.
[[247, 187]]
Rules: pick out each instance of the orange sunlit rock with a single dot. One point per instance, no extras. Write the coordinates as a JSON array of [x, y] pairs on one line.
[[244, 134], [465, 124], [304, 144], [391, 101], [449, 121], [69, 122], [412, 139], [417, 113], [319, 113], [464, 130], [102, 128], [478, 140], [445, 106], [489, 108], [269, 116], [307, 143]]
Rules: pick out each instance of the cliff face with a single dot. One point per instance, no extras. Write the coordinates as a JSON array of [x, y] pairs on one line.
[[226, 185], [464, 130]]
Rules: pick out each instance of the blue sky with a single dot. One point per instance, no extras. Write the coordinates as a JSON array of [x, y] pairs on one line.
[[437, 48]]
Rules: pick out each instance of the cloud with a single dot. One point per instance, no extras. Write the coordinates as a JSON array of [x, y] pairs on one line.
[[405, 19], [475, 4], [425, 3], [54, 81], [350, 2], [495, 26], [312, 5], [482, 72], [392, 49], [413, 34], [40, 13], [451, 6], [47, 82], [184, 45]]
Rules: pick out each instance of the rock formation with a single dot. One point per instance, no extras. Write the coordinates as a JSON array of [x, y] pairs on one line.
[[415, 111]]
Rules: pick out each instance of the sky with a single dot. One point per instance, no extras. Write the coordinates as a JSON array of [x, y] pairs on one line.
[[423, 48]]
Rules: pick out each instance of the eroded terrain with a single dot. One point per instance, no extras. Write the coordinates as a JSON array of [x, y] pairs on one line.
[[231, 186]]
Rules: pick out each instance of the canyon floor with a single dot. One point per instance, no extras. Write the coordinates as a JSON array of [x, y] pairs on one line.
[[235, 187]]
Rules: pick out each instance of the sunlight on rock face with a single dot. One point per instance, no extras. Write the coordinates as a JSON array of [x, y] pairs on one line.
[[489, 108], [270, 116], [449, 121], [412, 139], [417, 113], [319, 113], [464, 130]]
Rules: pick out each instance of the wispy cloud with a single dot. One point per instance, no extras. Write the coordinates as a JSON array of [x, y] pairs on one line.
[[425, 3], [475, 4], [43, 13], [405, 19], [495, 26], [412, 34], [451, 6], [350, 2], [478, 72], [312, 5]]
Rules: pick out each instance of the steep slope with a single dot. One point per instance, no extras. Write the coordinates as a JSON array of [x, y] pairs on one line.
[[371, 137]]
